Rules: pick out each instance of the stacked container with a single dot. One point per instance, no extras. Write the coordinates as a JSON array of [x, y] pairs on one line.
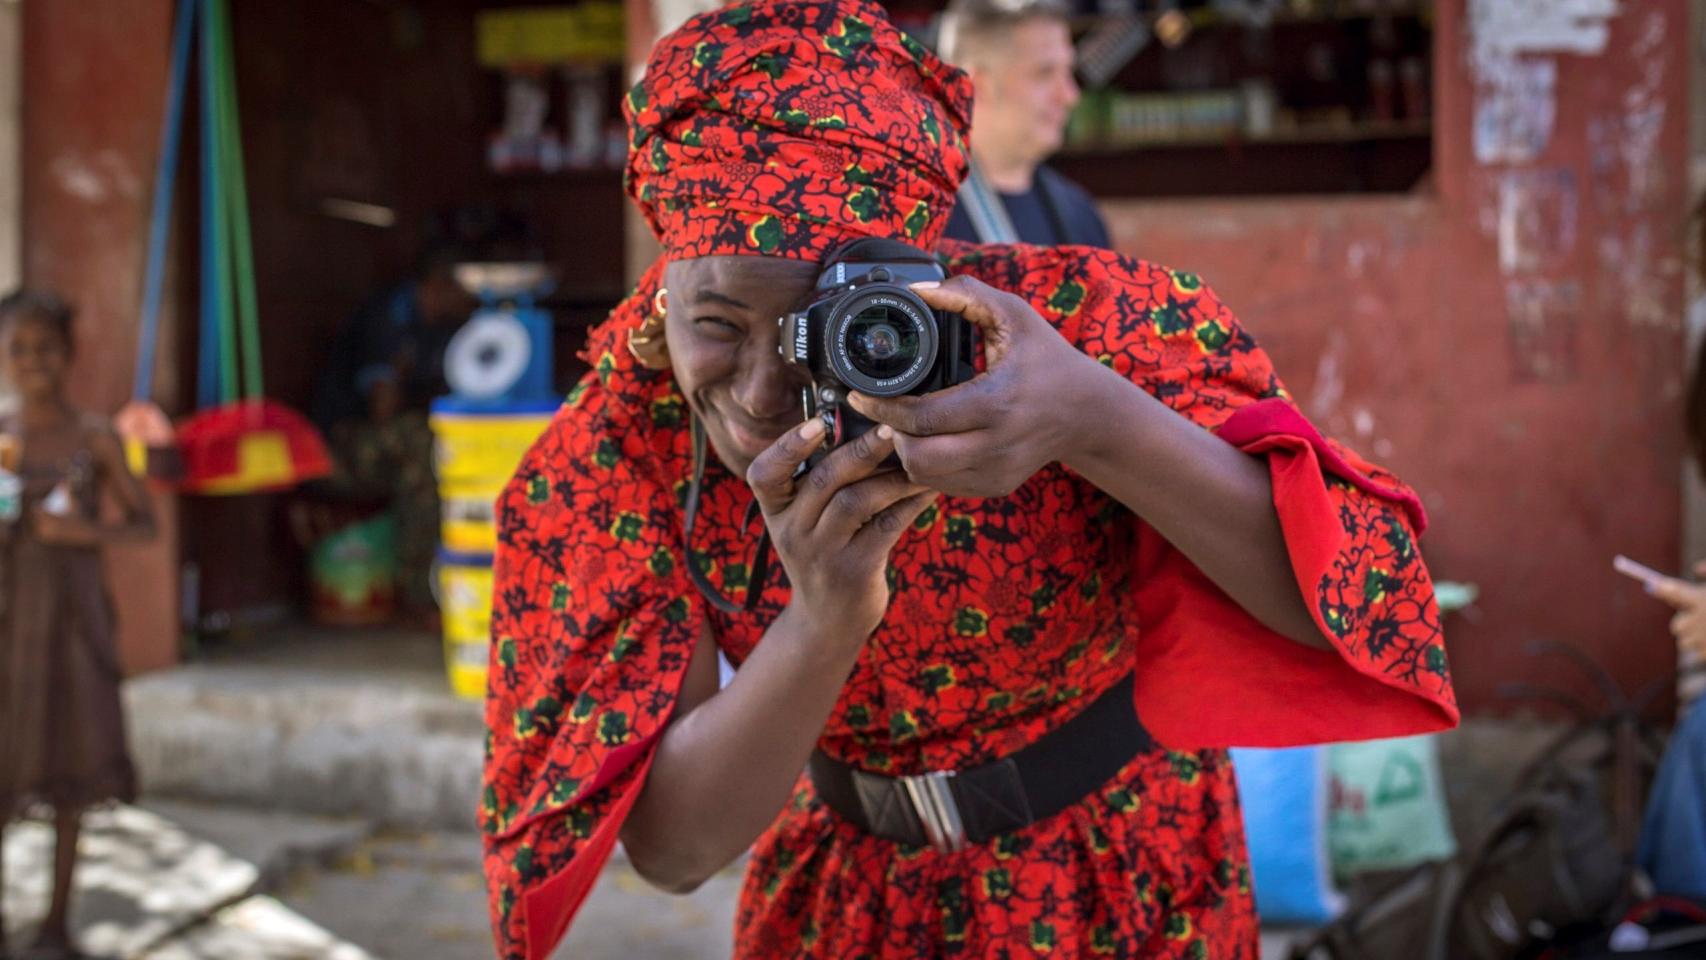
[[477, 447]]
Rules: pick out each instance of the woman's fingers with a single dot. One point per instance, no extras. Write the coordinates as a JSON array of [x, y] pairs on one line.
[[849, 463], [970, 298], [956, 409], [975, 464], [884, 530], [771, 474], [861, 502]]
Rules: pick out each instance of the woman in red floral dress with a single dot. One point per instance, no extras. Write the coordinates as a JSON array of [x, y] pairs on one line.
[[1119, 548]]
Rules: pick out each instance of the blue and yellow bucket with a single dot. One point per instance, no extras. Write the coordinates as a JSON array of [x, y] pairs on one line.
[[476, 450], [465, 605]]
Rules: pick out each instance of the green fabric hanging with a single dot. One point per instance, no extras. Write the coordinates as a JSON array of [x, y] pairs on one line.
[[237, 213], [230, 385]]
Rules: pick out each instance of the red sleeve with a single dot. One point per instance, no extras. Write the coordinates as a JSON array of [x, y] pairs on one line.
[[1208, 673], [593, 624]]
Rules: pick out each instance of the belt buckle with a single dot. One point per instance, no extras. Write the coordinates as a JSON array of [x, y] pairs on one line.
[[932, 798]]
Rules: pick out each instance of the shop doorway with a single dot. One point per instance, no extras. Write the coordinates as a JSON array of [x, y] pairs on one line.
[[380, 134]]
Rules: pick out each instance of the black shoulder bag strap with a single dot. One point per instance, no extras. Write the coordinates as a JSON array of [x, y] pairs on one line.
[[760, 563], [983, 206]]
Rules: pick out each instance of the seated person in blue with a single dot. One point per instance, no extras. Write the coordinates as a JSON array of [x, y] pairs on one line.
[[383, 371], [1019, 56]]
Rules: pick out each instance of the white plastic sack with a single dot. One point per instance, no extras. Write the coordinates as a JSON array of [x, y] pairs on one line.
[[1388, 809]]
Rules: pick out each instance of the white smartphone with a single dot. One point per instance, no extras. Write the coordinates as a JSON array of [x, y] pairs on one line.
[[1639, 571]]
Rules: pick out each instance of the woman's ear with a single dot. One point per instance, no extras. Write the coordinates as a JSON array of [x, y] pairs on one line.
[[646, 341]]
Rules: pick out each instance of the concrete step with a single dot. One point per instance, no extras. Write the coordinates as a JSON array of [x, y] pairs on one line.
[[352, 724]]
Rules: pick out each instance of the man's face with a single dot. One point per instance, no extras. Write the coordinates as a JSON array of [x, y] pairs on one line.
[[442, 300], [1025, 91]]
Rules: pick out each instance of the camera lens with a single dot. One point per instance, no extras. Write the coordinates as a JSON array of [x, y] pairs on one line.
[[879, 350], [882, 341]]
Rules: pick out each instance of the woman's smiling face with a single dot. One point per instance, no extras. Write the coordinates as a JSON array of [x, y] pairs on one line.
[[723, 337]]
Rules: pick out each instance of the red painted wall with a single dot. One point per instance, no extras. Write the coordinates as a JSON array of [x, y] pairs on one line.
[[1509, 339], [92, 82]]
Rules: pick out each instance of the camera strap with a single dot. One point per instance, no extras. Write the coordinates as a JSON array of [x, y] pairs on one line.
[[760, 569], [989, 219]]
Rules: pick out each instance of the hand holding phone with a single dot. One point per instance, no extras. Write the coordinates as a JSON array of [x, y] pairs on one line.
[[1679, 593], [1650, 578]]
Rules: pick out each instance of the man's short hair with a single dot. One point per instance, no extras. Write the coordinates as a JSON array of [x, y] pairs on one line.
[[969, 26]]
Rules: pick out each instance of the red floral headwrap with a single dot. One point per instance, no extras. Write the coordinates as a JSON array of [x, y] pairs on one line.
[[784, 127]]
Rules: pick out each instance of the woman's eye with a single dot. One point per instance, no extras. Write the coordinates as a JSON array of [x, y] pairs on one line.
[[717, 327]]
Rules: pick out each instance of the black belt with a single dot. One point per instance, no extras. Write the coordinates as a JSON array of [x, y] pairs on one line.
[[948, 809]]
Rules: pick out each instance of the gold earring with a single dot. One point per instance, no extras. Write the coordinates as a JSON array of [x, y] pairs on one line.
[[646, 341]]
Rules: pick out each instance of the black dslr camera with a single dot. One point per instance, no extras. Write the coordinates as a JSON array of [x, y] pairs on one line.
[[864, 330]]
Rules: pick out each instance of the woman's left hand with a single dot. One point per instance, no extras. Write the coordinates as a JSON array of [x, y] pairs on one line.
[[1028, 408], [65, 531]]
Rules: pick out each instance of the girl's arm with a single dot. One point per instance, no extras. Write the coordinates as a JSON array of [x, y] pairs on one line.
[[125, 488], [114, 479]]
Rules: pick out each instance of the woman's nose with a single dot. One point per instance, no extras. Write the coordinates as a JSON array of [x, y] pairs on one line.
[[768, 388]]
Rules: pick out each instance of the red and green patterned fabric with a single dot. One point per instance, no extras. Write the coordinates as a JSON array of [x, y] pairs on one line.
[[784, 128], [787, 128], [1008, 615]]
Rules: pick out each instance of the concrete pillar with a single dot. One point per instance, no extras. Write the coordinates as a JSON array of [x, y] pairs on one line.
[[11, 204], [93, 81]]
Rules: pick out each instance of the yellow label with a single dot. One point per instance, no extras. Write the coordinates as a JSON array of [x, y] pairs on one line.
[[541, 36], [465, 601], [482, 450], [469, 536]]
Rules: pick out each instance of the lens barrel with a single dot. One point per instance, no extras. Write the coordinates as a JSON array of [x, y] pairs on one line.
[[881, 340]]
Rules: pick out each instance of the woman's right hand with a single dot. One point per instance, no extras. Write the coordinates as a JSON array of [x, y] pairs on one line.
[[833, 527], [1689, 599]]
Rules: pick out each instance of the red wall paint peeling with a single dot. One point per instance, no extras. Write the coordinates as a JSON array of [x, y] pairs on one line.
[[1529, 389]]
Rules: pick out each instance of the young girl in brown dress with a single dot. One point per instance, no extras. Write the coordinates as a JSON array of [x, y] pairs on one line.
[[62, 739]]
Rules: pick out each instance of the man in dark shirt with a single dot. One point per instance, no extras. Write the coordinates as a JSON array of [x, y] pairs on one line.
[[1019, 55], [377, 382]]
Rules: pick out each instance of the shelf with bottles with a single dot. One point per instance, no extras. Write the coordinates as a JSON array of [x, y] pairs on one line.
[[1253, 14], [555, 81], [1108, 122], [556, 121], [1254, 88]]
